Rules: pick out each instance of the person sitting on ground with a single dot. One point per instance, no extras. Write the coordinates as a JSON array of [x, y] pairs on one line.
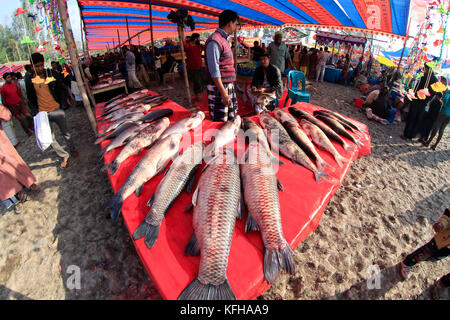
[[14, 100], [47, 91], [15, 175], [381, 110], [436, 249], [266, 86], [441, 122]]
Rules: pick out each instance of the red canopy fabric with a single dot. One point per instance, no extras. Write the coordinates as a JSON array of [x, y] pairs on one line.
[[302, 202]]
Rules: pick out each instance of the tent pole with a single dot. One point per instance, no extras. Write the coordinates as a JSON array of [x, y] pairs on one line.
[[183, 60], [67, 29], [150, 15], [128, 31], [118, 37], [315, 45], [401, 57], [235, 51]]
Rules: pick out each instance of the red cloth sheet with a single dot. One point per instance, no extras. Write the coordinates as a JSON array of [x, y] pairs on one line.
[[302, 202]]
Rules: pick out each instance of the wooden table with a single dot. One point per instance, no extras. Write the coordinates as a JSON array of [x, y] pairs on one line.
[[109, 88]]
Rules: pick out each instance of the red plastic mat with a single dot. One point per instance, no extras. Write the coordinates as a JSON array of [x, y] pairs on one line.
[[302, 202]]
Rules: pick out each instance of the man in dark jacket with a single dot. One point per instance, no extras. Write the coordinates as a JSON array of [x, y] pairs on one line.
[[47, 91], [266, 86]]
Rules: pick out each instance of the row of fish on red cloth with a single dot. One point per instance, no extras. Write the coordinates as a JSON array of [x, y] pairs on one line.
[[227, 184]]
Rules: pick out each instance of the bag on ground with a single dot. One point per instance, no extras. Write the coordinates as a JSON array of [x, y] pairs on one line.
[[42, 130]]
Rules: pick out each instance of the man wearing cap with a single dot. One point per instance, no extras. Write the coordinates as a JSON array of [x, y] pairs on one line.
[[220, 70], [279, 53], [266, 86]]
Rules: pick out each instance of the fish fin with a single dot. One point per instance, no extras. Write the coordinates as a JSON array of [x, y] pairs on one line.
[[189, 208], [240, 208], [210, 161], [279, 185], [199, 291], [319, 175], [194, 201], [139, 189], [150, 201], [191, 181], [192, 248], [115, 204], [150, 232], [251, 224], [276, 260]]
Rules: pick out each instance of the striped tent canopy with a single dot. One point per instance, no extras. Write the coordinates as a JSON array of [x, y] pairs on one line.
[[12, 67], [102, 19]]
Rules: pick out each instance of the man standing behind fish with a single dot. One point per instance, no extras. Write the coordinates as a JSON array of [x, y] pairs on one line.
[[220, 70]]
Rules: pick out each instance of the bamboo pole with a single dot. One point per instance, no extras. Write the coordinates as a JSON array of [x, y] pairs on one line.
[[17, 47], [150, 15], [128, 31], [67, 29], [183, 60], [235, 50]]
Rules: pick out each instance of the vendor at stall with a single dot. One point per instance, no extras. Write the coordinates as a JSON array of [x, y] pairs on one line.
[[266, 86]]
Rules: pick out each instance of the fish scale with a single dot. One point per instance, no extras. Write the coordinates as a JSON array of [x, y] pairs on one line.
[[214, 219], [261, 197]]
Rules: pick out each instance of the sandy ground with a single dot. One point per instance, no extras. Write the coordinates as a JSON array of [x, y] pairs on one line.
[[384, 210]]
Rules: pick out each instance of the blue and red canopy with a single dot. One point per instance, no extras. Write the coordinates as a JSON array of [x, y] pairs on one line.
[[103, 18]]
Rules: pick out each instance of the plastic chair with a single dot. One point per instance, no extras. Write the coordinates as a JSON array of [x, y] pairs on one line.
[[295, 94]]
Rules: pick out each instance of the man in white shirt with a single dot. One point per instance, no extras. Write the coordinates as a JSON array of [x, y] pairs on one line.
[[133, 81], [321, 62]]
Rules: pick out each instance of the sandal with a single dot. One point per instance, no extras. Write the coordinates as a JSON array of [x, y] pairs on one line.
[[18, 208], [67, 165]]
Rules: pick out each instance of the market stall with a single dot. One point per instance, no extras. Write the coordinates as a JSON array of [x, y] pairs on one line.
[[302, 202], [332, 73]]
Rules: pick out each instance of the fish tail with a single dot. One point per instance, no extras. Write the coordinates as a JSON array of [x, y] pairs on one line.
[[321, 164], [99, 139], [319, 174], [340, 160], [359, 143], [276, 260], [102, 154], [199, 291], [115, 204], [113, 166], [150, 232], [348, 147]]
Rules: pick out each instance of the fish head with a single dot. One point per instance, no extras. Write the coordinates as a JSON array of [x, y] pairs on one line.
[[267, 121]]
